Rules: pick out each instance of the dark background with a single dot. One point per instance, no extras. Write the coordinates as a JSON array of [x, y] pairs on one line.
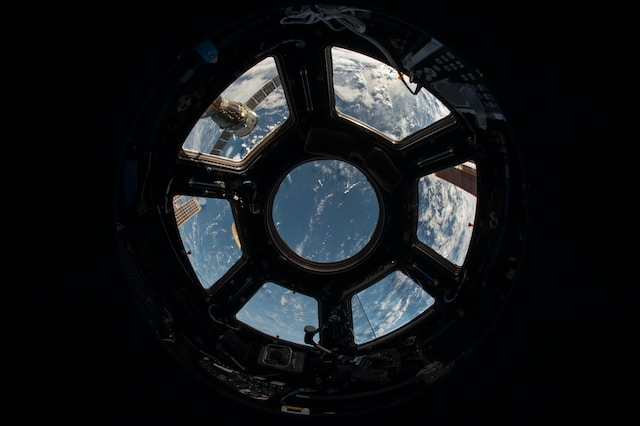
[[566, 350]]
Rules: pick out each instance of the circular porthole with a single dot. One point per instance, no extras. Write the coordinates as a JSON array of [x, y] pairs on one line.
[[325, 212], [322, 211]]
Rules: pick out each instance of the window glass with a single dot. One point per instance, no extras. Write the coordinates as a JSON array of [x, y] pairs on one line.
[[280, 312], [447, 210], [372, 92], [208, 232], [325, 210], [386, 306], [246, 112]]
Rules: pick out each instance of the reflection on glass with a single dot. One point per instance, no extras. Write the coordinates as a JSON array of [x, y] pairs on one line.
[[325, 210], [372, 92], [387, 305], [208, 234], [447, 209], [280, 312], [246, 112]]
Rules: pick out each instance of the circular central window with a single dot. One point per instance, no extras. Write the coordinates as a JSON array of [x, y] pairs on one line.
[[325, 211]]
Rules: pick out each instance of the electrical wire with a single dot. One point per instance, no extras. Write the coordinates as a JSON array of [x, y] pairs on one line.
[[366, 317], [219, 322]]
